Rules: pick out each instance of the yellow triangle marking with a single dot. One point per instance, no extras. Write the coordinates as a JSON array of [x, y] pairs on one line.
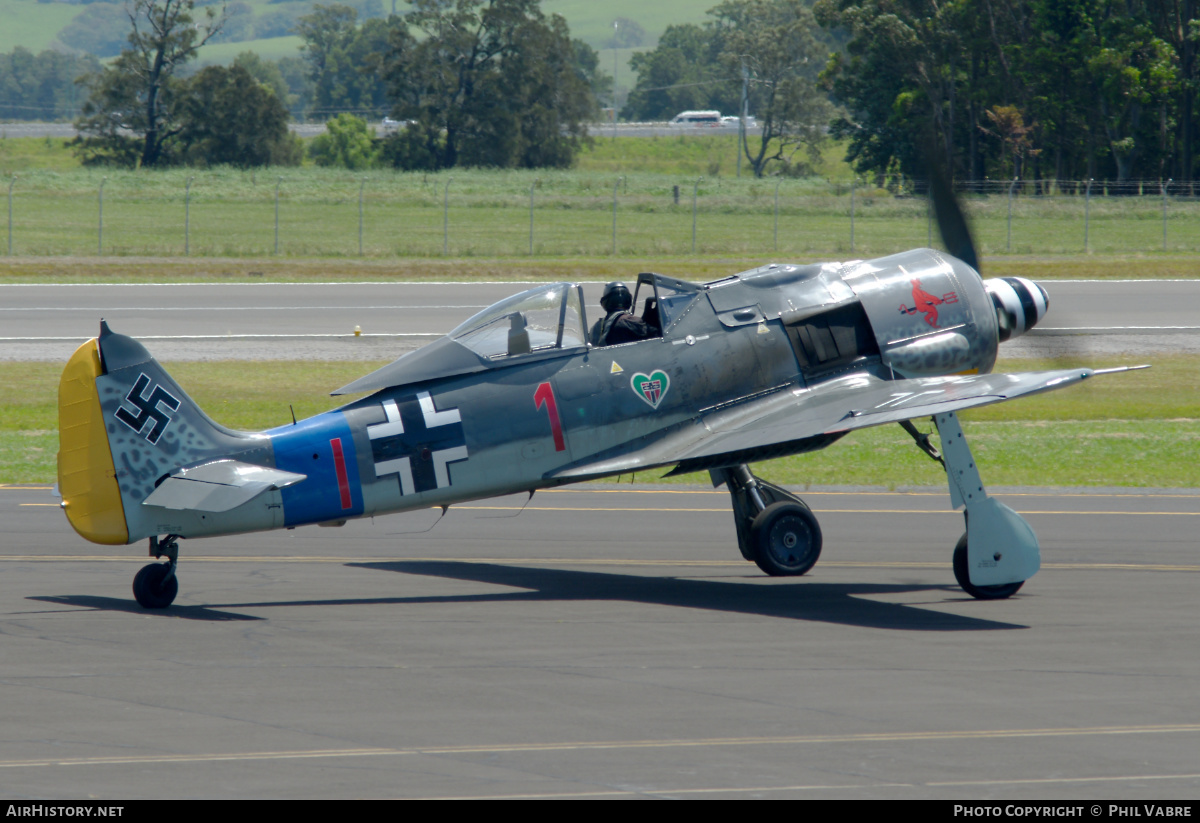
[[616, 368]]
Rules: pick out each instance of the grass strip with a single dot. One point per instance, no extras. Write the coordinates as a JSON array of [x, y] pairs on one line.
[[1134, 429]]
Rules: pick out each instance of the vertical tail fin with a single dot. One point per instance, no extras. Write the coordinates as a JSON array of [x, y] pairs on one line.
[[124, 425]]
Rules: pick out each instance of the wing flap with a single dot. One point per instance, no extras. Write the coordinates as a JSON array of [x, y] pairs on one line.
[[217, 486], [799, 419]]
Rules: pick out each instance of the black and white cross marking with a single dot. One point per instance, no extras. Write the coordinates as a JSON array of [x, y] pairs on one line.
[[148, 407], [418, 443]]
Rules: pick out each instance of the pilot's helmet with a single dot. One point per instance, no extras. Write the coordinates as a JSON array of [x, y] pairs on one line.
[[616, 297]]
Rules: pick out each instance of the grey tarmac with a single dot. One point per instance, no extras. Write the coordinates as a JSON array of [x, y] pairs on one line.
[[608, 641]]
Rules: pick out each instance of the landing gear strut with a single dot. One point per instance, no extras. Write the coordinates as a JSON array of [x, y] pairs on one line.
[[999, 552], [775, 529], [155, 586]]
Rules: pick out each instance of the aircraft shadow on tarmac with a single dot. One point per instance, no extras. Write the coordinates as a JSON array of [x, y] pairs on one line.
[[116, 604], [845, 603]]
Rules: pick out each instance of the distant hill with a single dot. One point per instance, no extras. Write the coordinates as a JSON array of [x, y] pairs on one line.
[[262, 25]]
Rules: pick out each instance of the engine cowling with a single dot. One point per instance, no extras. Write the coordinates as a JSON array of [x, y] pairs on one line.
[[929, 312]]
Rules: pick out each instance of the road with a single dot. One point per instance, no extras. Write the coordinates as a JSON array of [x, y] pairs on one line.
[[304, 321], [607, 641], [599, 130]]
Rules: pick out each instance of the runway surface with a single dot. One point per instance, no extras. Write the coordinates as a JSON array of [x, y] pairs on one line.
[[608, 641], [317, 321]]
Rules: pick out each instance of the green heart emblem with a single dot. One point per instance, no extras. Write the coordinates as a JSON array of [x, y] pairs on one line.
[[652, 388]]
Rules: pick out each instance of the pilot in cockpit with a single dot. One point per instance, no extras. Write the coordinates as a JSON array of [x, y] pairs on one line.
[[620, 324]]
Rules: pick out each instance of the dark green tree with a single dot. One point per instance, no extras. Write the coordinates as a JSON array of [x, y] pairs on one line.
[[139, 92], [229, 118], [683, 72], [344, 61], [1082, 88], [488, 83], [42, 86]]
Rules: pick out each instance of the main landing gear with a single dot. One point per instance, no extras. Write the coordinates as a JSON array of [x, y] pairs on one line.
[[995, 557], [775, 529], [155, 586]]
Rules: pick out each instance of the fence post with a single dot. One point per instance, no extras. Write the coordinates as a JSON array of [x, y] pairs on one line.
[[100, 224], [278, 183], [11, 183], [361, 185], [616, 183], [1164, 197], [1087, 210], [187, 217], [446, 217], [695, 193], [1008, 244], [777, 182]]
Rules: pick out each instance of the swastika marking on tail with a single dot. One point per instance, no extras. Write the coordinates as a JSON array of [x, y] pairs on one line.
[[148, 407]]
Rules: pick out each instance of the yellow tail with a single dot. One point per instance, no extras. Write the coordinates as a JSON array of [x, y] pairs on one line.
[[87, 478]]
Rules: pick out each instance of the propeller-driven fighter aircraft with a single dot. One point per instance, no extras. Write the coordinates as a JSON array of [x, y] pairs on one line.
[[777, 360]]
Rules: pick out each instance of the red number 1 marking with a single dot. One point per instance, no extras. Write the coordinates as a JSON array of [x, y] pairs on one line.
[[544, 396]]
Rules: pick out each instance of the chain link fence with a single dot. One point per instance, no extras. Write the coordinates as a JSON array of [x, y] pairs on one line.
[[472, 213]]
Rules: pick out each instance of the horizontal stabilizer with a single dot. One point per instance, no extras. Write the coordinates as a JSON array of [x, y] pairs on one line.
[[217, 486]]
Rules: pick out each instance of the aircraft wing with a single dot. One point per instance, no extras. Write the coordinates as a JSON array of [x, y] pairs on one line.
[[793, 419], [217, 486]]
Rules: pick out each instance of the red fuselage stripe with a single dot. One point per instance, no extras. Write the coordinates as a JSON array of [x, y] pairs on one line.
[[339, 464]]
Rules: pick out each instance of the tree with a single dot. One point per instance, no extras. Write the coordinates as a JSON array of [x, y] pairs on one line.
[[41, 86], [1088, 88], [767, 49], [683, 72], [230, 118], [771, 42], [344, 60], [138, 93], [627, 34], [899, 78], [347, 142], [488, 83]]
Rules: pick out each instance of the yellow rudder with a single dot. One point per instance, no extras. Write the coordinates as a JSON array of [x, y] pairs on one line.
[[86, 475]]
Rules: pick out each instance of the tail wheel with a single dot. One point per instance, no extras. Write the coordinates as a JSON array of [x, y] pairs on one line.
[[786, 539], [152, 587], [979, 592]]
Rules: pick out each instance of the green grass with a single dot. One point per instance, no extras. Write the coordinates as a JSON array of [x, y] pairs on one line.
[[35, 24], [1135, 429], [269, 48], [32, 24], [56, 213], [19, 155]]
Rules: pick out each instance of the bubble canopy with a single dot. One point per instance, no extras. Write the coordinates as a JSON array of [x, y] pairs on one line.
[[535, 320]]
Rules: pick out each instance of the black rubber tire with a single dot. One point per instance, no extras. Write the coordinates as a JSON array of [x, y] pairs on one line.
[[786, 539], [978, 592], [149, 589]]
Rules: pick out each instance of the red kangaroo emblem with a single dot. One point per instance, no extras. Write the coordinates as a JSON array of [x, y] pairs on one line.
[[926, 303]]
